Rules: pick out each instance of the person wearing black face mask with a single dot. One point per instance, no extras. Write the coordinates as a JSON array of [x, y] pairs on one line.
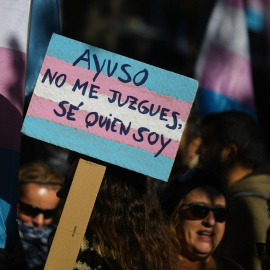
[[37, 209]]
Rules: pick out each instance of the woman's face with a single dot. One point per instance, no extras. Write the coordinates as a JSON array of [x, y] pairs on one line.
[[199, 237]]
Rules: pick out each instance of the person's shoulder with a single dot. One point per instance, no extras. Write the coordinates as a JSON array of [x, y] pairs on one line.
[[260, 174], [252, 187], [224, 263]]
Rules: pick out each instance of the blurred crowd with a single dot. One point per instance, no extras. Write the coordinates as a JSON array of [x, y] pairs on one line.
[[213, 213]]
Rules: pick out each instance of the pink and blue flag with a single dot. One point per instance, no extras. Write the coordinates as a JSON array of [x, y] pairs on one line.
[[109, 107], [44, 22], [13, 47], [223, 67], [258, 17], [254, 11], [18, 42]]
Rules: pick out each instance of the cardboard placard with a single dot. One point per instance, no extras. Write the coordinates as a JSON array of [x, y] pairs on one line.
[[110, 107], [75, 216]]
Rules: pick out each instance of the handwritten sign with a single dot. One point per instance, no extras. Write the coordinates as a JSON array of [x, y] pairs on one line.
[[109, 107]]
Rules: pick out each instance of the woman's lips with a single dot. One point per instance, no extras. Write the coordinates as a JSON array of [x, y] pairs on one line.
[[205, 235]]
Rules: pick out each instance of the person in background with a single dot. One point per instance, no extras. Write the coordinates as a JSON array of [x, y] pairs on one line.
[[187, 155], [233, 147], [37, 209], [127, 229]]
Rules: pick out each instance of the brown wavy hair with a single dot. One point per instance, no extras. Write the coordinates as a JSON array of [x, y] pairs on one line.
[[39, 173], [127, 219]]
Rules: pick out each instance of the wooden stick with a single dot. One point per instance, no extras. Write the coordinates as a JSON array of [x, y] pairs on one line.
[[75, 217]]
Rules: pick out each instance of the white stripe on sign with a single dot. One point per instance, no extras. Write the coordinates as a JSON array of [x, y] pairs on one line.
[[101, 106]]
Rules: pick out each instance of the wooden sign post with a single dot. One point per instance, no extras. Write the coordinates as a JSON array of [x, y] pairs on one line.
[[109, 107], [75, 216]]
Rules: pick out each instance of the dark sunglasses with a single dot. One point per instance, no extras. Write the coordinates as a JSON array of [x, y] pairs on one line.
[[260, 248], [201, 211], [33, 211]]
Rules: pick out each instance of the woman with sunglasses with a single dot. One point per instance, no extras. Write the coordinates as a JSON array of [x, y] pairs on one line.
[[196, 206], [36, 210]]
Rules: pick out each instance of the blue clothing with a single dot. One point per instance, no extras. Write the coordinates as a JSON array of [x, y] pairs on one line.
[[35, 244]]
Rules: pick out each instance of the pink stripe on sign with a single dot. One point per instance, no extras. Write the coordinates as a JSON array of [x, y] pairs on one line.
[[235, 3], [44, 109], [106, 83], [229, 74]]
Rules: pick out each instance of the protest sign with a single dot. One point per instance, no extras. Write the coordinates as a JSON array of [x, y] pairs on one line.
[[109, 107]]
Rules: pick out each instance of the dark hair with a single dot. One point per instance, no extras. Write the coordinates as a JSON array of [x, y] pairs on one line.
[[182, 184], [233, 127], [193, 126], [127, 219], [39, 173]]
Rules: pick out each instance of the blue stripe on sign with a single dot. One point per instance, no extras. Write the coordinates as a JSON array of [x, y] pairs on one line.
[[159, 80], [9, 168], [212, 102], [82, 142]]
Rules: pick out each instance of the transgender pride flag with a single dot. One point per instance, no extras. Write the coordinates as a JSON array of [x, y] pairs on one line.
[[223, 67], [255, 15], [14, 36], [44, 22], [109, 107], [13, 46]]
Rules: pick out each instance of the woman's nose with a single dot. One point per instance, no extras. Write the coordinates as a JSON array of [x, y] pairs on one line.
[[210, 219]]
